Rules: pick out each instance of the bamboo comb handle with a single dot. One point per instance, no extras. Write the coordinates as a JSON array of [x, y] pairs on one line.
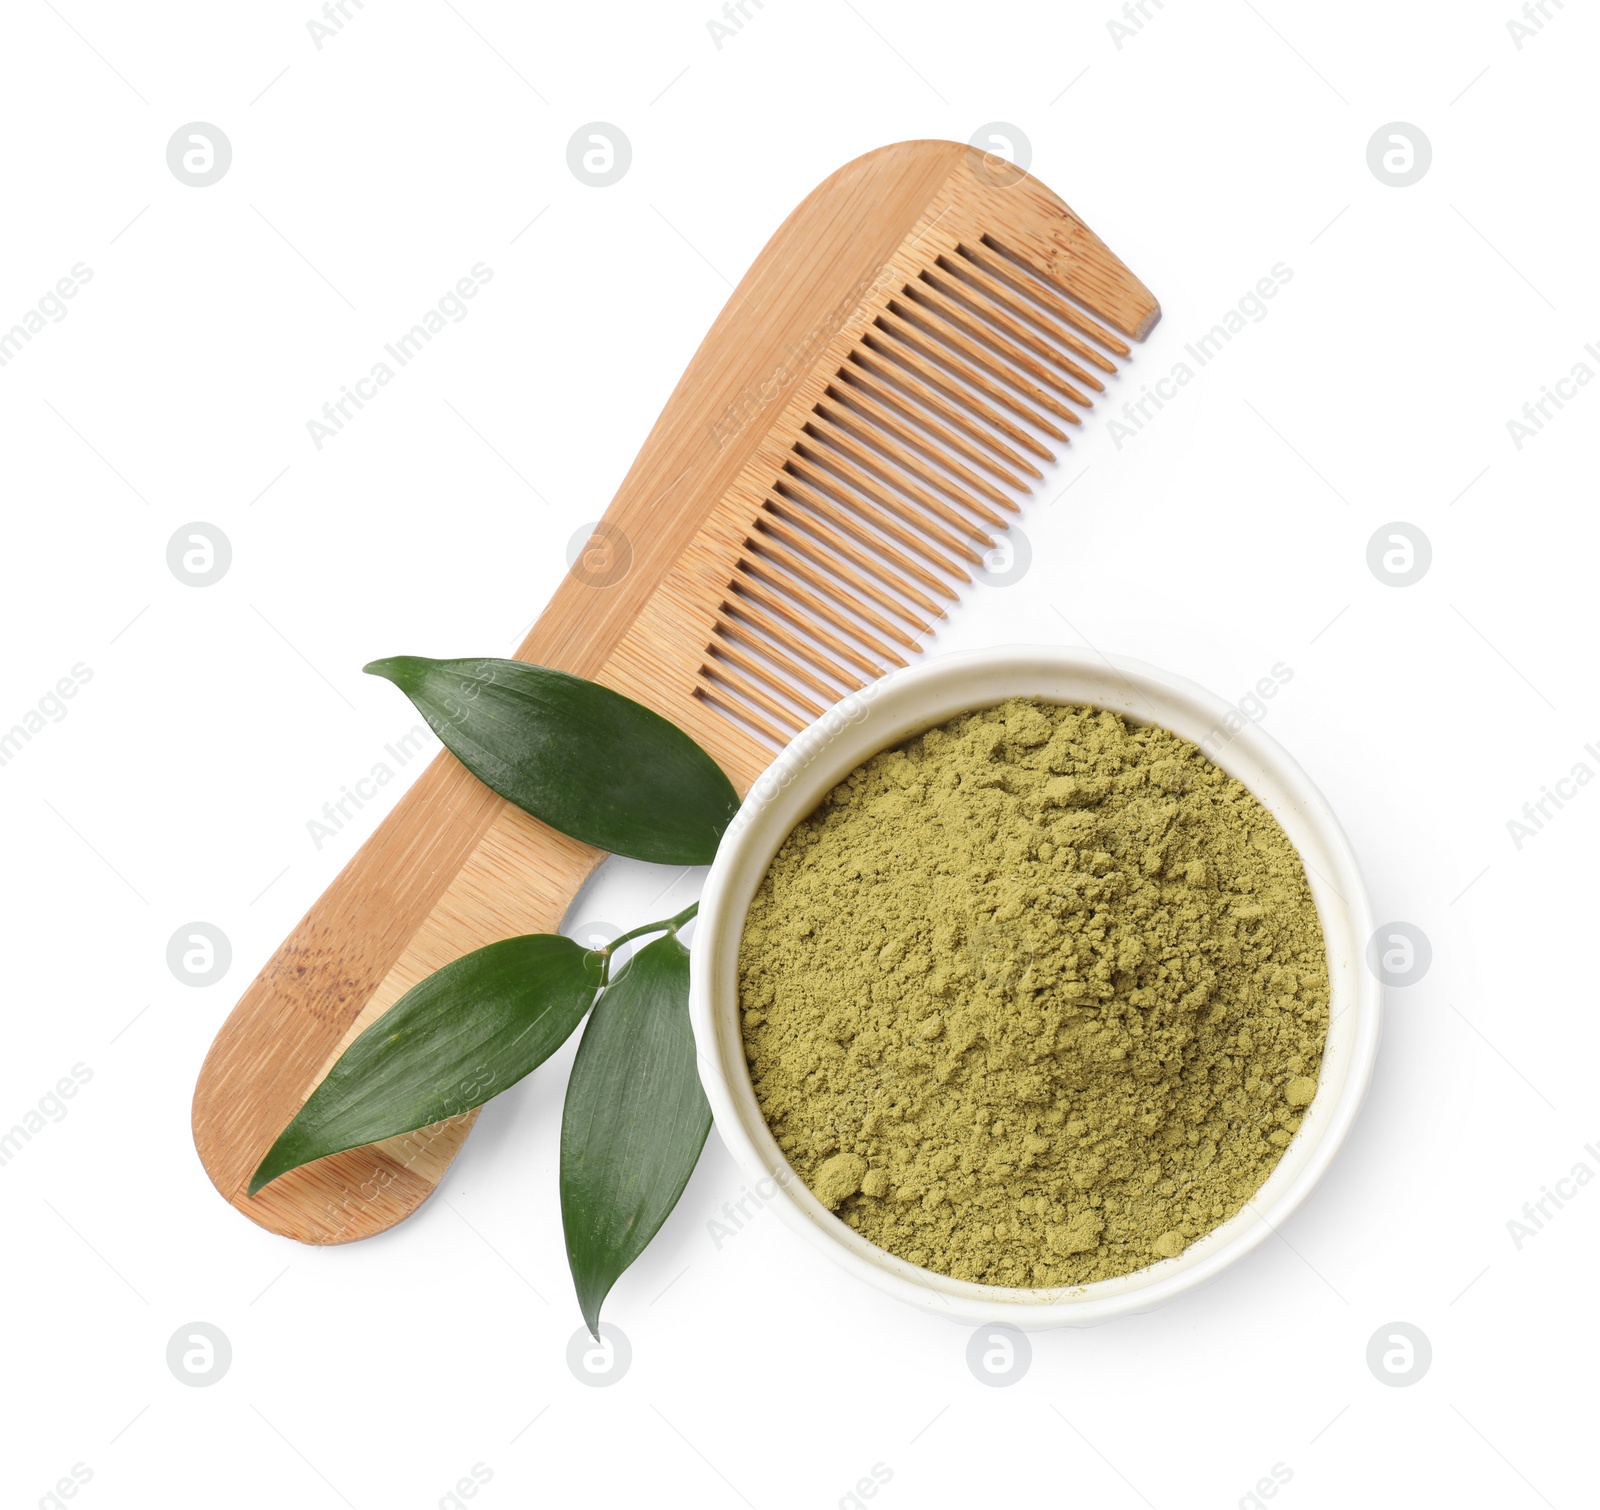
[[918, 318], [451, 868]]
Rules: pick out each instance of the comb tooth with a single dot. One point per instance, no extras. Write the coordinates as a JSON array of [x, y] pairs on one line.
[[717, 696], [825, 425], [772, 585], [863, 496], [987, 310], [994, 289], [726, 650], [800, 567], [847, 521], [857, 399], [902, 338], [783, 526], [728, 626], [720, 667], [980, 333], [903, 356], [844, 416], [837, 558], [875, 377], [785, 635], [1007, 266], [979, 368], [747, 585]]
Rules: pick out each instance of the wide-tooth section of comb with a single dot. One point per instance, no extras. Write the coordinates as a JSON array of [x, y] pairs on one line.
[[889, 428], [898, 458], [897, 485]]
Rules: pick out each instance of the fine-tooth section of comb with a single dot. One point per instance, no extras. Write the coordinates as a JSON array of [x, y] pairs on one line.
[[903, 358], [927, 408], [902, 453], [862, 421]]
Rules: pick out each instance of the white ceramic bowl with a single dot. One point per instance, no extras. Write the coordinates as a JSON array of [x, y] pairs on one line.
[[903, 705]]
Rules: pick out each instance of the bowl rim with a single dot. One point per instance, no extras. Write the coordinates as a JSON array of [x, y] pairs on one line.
[[896, 708]]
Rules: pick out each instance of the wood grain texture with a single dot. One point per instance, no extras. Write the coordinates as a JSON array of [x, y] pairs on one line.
[[806, 499]]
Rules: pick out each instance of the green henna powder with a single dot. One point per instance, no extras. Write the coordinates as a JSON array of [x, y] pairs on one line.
[[1037, 998]]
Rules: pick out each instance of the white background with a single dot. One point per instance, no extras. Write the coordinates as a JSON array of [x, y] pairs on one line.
[[1227, 535]]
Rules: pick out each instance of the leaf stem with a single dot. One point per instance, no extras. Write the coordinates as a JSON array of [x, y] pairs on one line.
[[665, 925]]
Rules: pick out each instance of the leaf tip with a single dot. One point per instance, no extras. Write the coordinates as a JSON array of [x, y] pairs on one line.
[[591, 1297], [271, 1166], [399, 669]]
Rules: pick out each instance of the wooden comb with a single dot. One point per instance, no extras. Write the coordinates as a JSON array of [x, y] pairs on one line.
[[871, 404]]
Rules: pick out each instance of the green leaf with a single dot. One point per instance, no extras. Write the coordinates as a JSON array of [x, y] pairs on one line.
[[586, 760], [466, 1033], [635, 1121]]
